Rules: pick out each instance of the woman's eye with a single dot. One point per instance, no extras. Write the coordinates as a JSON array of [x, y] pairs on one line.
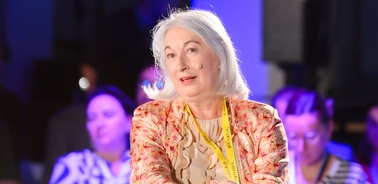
[[190, 50], [109, 114], [292, 135], [310, 135], [170, 56]]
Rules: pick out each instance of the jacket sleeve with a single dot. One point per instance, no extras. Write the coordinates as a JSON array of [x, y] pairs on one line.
[[271, 164], [149, 159]]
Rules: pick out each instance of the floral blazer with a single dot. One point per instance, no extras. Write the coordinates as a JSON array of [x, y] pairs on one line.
[[258, 137]]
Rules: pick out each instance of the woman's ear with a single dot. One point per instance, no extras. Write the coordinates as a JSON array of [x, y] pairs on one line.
[[330, 128], [329, 105]]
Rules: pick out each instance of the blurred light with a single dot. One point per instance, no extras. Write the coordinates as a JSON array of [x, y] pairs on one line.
[[159, 84], [84, 84], [146, 83]]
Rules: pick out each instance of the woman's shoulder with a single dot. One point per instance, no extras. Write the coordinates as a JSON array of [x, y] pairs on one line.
[[159, 106], [75, 156], [158, 111], [341, 166], [156, 105], [252, 105], [253, 114], [354, 166]]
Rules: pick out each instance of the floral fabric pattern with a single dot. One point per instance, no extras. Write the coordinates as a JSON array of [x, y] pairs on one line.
[[258, 137]]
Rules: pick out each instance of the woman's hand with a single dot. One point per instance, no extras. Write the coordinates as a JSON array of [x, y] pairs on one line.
[[222, 182]]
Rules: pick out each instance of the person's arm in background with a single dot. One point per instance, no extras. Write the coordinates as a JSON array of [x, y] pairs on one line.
[[69, 169]]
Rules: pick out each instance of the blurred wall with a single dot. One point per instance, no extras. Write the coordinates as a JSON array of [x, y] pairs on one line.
[[30, 37]]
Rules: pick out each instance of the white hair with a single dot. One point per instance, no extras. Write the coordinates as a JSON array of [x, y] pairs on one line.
[[210, 29]]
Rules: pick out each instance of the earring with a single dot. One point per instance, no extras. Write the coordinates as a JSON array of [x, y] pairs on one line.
[[159, 84], [146, 83]]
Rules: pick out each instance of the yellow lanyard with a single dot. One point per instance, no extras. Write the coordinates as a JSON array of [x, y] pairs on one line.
[[229, 166]]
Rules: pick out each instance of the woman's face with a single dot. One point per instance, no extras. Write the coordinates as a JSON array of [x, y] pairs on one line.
[[192, 64], [307, 137], [107, 122], [372, 127]]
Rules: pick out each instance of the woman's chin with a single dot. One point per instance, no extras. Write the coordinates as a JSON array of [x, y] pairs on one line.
[[307, 160], [102, 145]]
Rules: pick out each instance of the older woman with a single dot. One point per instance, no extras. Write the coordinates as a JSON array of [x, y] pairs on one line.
[[109, 113], [201, 128], [309, 129]]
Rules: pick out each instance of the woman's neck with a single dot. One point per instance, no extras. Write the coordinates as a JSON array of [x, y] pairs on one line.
[[115, 159], [111, 154], [208, 109], [310, 173]]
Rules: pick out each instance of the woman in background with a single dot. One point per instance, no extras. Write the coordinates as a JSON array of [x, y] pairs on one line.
[[280, 100], [309, 129], [109, 113]]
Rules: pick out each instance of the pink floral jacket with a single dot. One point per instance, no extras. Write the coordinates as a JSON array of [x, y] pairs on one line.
[[259, 138]]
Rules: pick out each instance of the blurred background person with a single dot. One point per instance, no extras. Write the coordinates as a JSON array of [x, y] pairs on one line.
[[281, 98], [367, 152], [280, 101], [309, 128], [109, 112], [68, 121]]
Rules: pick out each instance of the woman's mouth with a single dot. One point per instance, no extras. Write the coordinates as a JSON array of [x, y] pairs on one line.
[[187, 80]]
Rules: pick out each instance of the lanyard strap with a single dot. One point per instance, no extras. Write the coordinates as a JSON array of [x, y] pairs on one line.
[[323, 167], [229, 166]]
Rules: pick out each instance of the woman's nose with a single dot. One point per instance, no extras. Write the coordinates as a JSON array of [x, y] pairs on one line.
[[183, 63], [100, 123], [300, 146], [183, 68]]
